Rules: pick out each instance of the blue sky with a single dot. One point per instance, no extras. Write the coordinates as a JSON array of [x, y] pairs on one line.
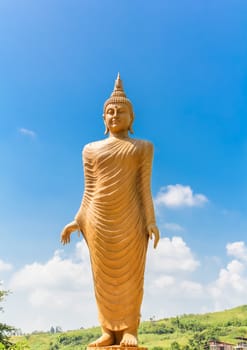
[[184, 67]]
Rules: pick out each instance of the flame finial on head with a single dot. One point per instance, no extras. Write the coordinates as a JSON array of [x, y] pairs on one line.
[[118, 88], [118, 95]]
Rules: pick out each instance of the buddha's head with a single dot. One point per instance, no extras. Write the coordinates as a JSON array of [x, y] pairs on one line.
[[118, 111]]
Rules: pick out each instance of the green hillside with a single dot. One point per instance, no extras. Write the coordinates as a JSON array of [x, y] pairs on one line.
[[186, 332]]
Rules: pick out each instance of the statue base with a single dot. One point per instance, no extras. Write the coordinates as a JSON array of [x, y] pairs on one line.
[[116, 347]]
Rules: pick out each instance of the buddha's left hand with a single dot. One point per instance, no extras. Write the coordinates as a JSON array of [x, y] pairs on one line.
[[153, 231]]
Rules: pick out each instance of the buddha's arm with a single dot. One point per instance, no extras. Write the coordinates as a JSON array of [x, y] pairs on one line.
[[146, 195], [89, 179], [77, 223], [74, 225], [67, 230]]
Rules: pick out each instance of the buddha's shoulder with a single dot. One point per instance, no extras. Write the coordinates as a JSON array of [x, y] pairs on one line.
[[143, 144], [94, 146]]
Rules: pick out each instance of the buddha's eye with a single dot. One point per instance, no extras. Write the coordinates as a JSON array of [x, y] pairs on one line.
[[110, 111]]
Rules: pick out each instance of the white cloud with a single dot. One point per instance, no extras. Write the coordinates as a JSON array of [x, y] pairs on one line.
[[57, 273], [27, 132], [57, 292], [191, 288], [179, 291], [60, 291], [168, 290], [230, 287], [5, 266], [238, 250], [164, 282], [175, 196], [171, 255]]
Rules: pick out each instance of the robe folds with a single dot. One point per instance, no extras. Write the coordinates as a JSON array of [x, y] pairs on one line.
[[114, 214]]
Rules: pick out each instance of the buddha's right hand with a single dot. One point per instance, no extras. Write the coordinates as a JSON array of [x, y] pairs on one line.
[[68, 229]]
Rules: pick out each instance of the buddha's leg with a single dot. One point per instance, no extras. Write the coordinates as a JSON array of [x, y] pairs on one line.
[[129, 337], [106, 339]]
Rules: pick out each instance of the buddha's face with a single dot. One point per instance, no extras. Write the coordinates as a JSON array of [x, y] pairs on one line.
[[117, 117]]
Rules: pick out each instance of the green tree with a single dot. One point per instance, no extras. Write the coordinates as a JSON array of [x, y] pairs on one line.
[[23, 345], [186, 347], [5, 330], [175, 346], [199, 342]]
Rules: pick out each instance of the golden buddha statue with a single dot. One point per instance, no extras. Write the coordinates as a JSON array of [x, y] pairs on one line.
[[116, 218]]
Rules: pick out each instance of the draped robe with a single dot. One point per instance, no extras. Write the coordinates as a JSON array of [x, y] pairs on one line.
[[115, 211]]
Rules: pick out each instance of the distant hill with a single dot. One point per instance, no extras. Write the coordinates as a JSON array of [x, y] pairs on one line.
[[186, 332]]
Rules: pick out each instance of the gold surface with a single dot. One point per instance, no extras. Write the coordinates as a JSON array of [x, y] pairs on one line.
[[116, 218]]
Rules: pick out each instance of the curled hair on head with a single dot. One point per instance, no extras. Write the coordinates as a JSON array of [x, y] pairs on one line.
[[118, 96]]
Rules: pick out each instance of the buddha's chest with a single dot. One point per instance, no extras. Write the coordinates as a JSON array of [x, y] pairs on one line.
[[114, 157]]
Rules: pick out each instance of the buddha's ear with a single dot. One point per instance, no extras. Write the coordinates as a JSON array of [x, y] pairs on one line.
[[106, 127], [130, 126]]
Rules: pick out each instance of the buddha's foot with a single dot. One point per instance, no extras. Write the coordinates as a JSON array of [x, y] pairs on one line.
[[128, 340], [106, 339]]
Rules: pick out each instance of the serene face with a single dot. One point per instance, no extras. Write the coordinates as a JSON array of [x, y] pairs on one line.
[[117, 118]]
